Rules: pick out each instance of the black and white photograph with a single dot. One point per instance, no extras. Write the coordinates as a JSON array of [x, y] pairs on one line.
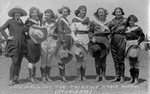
[[74, 46]]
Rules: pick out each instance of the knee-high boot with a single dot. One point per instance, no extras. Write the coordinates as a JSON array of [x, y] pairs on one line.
[[117, 70], [62, 71], [132, 75], [122, 70], [48, 69], [83, 73], [43, 72], [78, 73], [103, 73], [32, 75], [98, 73], [136, 76]]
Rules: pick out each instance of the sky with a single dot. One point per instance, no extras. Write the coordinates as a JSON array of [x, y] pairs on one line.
[[140, 8]]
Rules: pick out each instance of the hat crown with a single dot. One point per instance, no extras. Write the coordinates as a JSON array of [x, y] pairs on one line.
[[63, 53], [17, 8], [38, 34]]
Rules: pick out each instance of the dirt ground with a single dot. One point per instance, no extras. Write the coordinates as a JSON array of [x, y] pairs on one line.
[[88, 86]]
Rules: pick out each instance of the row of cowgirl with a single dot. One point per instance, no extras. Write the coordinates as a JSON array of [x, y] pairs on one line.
[[49, 36]]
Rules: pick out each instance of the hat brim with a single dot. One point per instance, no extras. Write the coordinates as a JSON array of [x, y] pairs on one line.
[[32, 36], [14, 10]]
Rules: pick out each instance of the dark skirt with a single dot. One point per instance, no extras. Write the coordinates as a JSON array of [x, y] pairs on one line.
[[33, 51]]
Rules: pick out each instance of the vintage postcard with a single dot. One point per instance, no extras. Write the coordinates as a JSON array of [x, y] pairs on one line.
[[74, 46]]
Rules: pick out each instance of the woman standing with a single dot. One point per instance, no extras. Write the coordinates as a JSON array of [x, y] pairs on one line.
[[65, 41], [80, 33], [48, 47], [118, 43], [99, 44], [16, 46], [134, 36], [33, 46]]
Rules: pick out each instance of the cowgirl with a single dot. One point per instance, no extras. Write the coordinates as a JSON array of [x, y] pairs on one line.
[[63, 54], [48, 47], [134, 36], [16, 45], [118, 43], [99, 44], [80, 29], [33, 44]]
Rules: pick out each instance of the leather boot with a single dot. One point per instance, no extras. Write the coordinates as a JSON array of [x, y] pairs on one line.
[[103, 74], [32, 76], [132, 75], [34, 73], [117, 69], [78, 73], [48, 73], [43, 71], [136, 81], [83, 73], [98, 74], [62, 72], [122, 70]]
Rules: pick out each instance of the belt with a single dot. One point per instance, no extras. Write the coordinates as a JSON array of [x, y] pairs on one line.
[[102, 34], [81, 32], [119, 33]]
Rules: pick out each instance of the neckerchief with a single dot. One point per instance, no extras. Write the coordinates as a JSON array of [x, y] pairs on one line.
[[66, 21], [103, 27], [85, 20], [131, 29]]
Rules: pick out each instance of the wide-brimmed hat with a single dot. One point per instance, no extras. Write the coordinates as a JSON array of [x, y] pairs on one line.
[[133, 52], [17, 9], [63, 55], [38, 34]]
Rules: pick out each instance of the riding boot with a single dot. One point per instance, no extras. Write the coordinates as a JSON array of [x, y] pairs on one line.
[[32, 75], [62, 72], [83, 73], [48, 69], [103, 73], [78, 73], [122, 70], [98, 74], [132, 75], [43, 71], [136, 76], [117, 70]]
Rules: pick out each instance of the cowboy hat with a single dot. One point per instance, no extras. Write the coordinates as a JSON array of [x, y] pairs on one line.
[[133, 51], [63, 56], [17, 9], [38, 34]]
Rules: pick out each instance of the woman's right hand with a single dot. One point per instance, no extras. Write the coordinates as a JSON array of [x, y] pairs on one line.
[[93, 40]]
